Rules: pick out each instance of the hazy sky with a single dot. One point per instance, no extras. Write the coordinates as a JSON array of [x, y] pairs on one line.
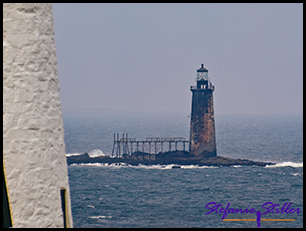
[[144, 57]]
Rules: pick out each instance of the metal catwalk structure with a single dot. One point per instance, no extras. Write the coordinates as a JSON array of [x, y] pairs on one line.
[[127, 145]]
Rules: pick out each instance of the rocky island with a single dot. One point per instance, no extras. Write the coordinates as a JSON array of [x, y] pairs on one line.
[[202, 144], [171, 157]]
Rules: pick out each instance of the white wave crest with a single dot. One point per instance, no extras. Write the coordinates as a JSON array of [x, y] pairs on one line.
[[157, 166], [95, 153], [237, 166], [197, 166], [73, 154], [296, 174], [286, 164], [92, 153], [88, 164], [100, 217], [167, 166]]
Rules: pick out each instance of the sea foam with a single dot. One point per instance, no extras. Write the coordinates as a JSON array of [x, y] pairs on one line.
[[73, 154], [92, 153], [286, 164], [95, 153], [100, 217], [141, 166]]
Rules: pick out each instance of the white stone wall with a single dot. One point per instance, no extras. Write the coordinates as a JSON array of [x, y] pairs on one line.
[[33, 137]]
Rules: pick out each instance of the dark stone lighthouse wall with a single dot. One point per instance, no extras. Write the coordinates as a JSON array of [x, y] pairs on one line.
[[202, 124]]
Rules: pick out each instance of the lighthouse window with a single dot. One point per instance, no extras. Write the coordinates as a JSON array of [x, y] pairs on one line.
[[63, 199], [7, 220]]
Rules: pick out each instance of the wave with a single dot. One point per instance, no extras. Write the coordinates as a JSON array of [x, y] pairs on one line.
[[73, 154], [197, 166], [157, 166], [100, 217], [170, 166], [236, 166], [96, 152], [92, 153], [296, 174], [88, 164], [286, 164]]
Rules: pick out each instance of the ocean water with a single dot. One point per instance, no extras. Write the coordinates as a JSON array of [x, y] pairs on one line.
[[105, 195]]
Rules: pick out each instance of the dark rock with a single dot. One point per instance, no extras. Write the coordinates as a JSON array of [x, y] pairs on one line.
[[173, 157], [84, 158], [176, 166]]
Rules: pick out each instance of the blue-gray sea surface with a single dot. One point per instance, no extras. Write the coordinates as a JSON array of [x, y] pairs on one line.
[[159, 196]]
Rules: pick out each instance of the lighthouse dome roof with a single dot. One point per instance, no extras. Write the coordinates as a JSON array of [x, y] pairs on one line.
[[202, 69]]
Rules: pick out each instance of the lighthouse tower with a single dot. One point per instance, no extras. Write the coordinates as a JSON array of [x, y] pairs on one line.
[[35, 175], [202, 122]]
